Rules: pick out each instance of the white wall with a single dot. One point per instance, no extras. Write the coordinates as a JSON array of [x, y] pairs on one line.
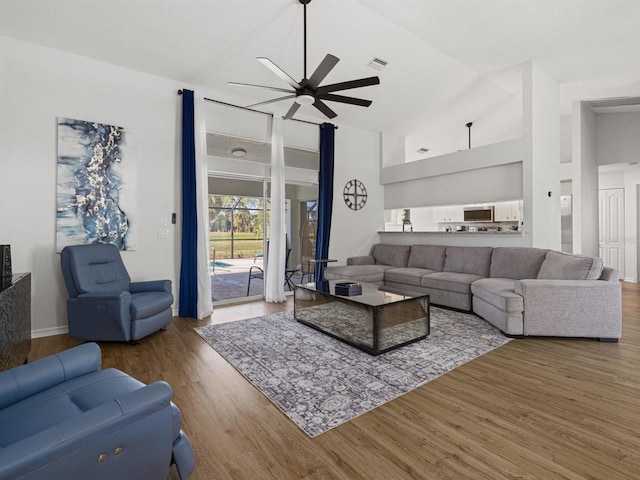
[[541, 165], [41, 84], [585, 181], [484, 174], [491, 184], [617, 137], [565, 139], [393, 149], [357, 156]]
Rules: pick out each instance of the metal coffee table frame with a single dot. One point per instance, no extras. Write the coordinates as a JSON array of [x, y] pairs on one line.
[[318, 307]]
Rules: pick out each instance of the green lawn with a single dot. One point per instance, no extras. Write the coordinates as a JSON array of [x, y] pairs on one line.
[[245, 245]]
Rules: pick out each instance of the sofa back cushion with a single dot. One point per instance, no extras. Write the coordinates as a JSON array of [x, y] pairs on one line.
[[394, 255], [567, 266], [516, 262], [427, 256], [474, 260]]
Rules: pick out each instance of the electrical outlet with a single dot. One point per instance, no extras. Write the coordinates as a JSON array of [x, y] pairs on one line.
[[164, 221], [163, 233]]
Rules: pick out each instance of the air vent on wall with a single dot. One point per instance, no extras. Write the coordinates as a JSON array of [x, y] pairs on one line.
[[422, 150]]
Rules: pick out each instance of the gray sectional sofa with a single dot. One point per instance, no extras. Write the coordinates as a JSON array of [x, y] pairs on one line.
[[522, 291]]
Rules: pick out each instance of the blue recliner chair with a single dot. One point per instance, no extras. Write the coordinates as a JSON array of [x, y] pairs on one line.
[[64, 417], [104, 304]]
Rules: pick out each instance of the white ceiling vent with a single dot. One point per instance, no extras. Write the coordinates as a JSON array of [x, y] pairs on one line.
[[377, 63]]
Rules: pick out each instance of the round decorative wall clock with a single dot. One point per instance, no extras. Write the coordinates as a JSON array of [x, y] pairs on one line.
[[355, 194]]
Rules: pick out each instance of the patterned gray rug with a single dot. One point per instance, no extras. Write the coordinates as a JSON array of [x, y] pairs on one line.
[[320, 382]]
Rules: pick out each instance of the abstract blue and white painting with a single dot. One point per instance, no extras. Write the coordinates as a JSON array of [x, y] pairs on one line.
[[96, 185]]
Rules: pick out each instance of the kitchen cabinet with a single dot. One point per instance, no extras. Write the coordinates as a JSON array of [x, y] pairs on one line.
[[448, 214], [507, 211]]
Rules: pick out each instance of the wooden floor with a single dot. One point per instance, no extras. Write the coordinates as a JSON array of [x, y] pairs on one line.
[[532, 409]]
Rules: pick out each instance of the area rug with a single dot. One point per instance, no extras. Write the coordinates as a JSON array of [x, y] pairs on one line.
[[320, 382]]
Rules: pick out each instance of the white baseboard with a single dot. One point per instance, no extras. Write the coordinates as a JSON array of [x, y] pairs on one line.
[[48, 332], [629, 279]]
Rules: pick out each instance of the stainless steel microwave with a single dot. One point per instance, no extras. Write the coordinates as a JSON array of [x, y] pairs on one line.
[[478, 214]]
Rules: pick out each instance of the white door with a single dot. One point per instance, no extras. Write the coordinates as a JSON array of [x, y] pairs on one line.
[[612, 228]]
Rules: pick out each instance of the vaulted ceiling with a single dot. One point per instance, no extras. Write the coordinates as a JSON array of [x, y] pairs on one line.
[[449, 61]]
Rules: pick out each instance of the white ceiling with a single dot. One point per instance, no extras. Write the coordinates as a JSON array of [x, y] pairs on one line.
[[449, 61]]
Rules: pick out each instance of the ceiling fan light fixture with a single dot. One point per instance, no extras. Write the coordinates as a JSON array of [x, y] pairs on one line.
[[305, 99], [309, 91]]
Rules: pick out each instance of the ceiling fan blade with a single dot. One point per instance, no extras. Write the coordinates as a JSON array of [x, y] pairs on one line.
[[362, 82], [342, 99], [272, 101], [276, 89], [322, 71], [320, 105], [279, 72], [292, 111]]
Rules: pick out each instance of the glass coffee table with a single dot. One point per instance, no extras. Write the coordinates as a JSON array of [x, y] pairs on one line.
[[376, 321]]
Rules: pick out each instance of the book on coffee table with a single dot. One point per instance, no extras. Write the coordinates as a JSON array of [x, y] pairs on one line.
[[348, 289]]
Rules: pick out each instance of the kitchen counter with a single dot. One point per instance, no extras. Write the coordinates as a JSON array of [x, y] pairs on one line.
[[466, 232], [504, 238]]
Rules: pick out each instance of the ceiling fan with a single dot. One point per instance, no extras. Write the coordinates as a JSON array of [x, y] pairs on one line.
[[308, 91]]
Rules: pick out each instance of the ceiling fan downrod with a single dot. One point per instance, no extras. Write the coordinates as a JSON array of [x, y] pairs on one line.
[[304, 4]]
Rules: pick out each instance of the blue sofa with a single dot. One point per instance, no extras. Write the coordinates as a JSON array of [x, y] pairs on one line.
[[64, 417]]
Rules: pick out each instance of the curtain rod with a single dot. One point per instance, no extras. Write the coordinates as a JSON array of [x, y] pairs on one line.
[[257, 111]]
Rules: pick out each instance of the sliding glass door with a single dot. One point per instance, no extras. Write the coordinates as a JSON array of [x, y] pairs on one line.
[[239, 211], [237, 224]]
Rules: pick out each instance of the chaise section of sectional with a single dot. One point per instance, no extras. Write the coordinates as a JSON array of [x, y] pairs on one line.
[[495, 298], [371, 268], [573, 296]]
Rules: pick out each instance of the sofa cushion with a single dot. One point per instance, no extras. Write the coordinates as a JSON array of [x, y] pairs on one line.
[[145, 304], [567, 266], [362, 273], [455, 282], [394, 255], [499, 292], [472, 260], [427, 256], [516, 262], [410, 276]]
